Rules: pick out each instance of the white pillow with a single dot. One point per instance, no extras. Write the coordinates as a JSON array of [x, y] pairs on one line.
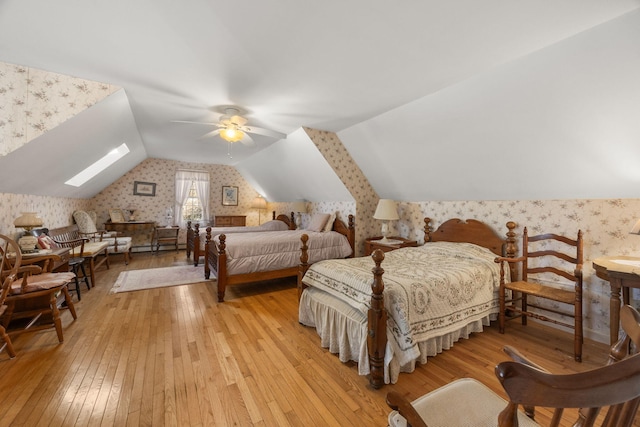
[[318, 221], [329, 225]]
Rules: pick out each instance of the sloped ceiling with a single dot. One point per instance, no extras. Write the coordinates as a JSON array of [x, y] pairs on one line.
[[561, 123], [427, 76], [43, 165]]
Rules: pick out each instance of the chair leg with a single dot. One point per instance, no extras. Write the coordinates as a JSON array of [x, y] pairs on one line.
[[524, 308], [85, 277], [7, 342], [55, 313], [502, 312], [69, 301]]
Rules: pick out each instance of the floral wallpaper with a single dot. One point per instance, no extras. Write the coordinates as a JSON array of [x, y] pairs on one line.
[[162, 173], [54, 211], [348, 171], [33, 101]]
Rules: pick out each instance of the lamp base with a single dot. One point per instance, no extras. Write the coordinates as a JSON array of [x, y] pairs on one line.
[[28, 243]]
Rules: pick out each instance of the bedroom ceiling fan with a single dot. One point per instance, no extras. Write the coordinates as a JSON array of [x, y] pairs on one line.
[[232, 127]]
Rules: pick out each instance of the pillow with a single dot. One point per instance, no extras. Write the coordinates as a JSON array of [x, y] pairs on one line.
[[42, 242], [46, 242], [318, 221], [329, 225], [274, 225]]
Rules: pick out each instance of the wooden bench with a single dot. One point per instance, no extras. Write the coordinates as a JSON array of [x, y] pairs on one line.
[[94, 253]]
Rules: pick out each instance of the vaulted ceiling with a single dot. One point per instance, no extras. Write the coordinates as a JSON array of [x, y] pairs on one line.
[[434, 100]]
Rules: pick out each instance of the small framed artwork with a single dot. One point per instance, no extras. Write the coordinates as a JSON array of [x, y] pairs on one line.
[[116, 215], [229, 196], [144, 188]]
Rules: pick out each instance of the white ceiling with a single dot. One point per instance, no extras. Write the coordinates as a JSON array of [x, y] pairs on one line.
[[330, 65]]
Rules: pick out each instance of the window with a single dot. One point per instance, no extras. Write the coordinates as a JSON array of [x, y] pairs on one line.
[[191, 208], [192, 196]]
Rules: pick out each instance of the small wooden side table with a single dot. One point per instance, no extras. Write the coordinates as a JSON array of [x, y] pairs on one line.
[[373, 243], [622, 273]]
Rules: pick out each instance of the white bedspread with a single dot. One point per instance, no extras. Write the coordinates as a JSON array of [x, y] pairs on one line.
[[273, 225], [431, 291], [256, 252]]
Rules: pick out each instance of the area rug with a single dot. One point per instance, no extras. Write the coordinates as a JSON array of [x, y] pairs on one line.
[[135, 280]]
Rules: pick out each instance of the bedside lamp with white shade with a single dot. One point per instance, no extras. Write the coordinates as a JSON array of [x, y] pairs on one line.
[[387, 210], [299, 207], [259, 203]]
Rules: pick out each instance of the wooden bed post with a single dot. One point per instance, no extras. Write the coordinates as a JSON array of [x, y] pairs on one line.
[[222, 267], [273, 215], [293, 220], [427, 230], [304, 264], [351, 235], [377, 324], [511, 249]]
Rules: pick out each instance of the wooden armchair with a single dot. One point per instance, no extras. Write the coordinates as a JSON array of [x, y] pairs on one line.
[[551, 270], [31, 293], [8, 246], [608, 395]]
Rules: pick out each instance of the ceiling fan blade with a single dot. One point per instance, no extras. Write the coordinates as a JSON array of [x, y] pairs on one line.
[[247, 140], [194, 123], [265, 132], [210, 134]]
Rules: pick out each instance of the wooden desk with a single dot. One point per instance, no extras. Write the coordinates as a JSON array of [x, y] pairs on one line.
[[132, 227], [622, 273]]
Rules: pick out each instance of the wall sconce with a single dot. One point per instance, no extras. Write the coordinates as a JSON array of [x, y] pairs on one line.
[[387, 210], [259, 203], [28, 221], [299, 207]]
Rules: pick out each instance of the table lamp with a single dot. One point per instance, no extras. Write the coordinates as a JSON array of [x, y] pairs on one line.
[[299, 207], [28, 221], [387, 210], [259, 203]]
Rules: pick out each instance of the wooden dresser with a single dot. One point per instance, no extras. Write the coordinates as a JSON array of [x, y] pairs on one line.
[[230, 221]]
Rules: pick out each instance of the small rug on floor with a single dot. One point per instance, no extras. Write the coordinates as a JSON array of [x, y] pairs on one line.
[[150, 278]]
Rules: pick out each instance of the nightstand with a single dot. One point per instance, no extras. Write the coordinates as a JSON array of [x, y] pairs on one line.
[[373, 243]]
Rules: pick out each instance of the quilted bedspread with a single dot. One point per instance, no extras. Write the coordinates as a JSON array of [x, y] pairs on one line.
[[430, 290]]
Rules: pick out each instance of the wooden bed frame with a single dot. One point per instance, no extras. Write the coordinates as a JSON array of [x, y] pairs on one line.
[[216, 259], [193, 235], [453, 230]]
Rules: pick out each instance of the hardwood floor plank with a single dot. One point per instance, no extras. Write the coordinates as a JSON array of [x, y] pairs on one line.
[[175, 356]]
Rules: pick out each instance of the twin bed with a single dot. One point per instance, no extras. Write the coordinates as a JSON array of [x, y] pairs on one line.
[[239, 258], [431, 296], [196, 241]]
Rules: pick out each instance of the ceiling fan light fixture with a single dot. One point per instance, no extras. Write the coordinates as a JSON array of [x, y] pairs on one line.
[[231, 134]]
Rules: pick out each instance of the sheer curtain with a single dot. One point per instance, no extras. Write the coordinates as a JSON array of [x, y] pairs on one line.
[[184, 180]]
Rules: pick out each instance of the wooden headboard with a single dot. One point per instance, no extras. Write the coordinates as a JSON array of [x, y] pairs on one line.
[[473, 231]]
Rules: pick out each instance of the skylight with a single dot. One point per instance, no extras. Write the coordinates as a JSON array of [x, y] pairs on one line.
[[110, 158]]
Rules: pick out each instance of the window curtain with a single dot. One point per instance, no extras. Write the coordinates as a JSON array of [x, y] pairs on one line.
[[184, 180]]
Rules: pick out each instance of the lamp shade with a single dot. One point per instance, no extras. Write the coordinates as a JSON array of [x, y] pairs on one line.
[[300, 206], [259, 203], [386, 210], [28, 221], [231, 134]]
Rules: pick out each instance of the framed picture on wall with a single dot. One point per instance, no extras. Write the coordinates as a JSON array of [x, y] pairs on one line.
[[144, 188], [229, 196]]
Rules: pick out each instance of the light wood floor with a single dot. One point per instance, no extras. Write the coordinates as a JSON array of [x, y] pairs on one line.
[[174, 356]]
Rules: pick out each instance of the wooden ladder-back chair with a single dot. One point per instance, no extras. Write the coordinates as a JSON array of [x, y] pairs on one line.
[[549, 263], [33, 293], [10, 266], [609, 395]]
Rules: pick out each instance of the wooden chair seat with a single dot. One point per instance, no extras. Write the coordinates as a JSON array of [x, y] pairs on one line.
[[542, 291]]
